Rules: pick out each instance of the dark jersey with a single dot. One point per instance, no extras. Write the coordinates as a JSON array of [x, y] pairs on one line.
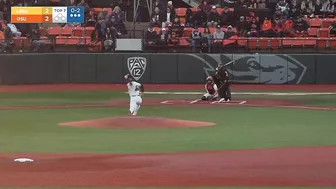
[[222, 74]]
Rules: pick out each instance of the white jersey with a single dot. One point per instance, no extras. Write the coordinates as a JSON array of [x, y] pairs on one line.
[[133, 88]]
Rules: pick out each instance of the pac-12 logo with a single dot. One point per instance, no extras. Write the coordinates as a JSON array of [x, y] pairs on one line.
[[136, 66]]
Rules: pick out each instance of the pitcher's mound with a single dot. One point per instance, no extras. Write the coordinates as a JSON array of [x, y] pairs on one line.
[[137, 123]]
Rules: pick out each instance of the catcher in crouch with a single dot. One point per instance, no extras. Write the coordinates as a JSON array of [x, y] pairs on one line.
[[211, 89]]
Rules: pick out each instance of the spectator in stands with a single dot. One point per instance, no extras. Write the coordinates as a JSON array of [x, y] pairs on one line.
[[91, 20], [242, 27], [206, 40], [310, 8], [110, 39], [35, 37], [283, 6], [287, 29], [164, 37], [242, 4], [195, 38], [5, 8], [171, 7], [15, 31], [169, 16], [218, 33], [205, 7], [253, 28], [213, 17], [267, 29], [158, 5], [262, 4], [87, 9], [176, 28], [300, 27], [8, 43], [121, 5], [151, 35], [157, 17], [2, 41], [318, 8], [294, 11], [252, 4], [103, 15], [332, 28], [328, 8], [189, 18], [229, 33], [99, 32], [117, 25], [199, 18], [226, 18]]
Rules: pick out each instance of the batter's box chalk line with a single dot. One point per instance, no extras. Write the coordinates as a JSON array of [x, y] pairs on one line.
[[231, 102]]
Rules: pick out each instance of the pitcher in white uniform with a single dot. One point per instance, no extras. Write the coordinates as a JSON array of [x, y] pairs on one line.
[[135, 91]]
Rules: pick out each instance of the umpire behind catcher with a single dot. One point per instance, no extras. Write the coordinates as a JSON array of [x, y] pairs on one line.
[[221, 78]]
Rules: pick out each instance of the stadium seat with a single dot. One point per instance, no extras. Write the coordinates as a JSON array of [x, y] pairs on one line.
[[219, 10], [312, 32], [54, 31], [242, 42], [78, 31], [332, 43], [326, 22], [187, 32], [180, 12], [66, 31], [322, 43], [315, 22], [183, 42], [61, 40], [252, 43], [264, 43], [88, 31], [308, 42], [323, 32], [97, 10], [46, 40], [21, 42], [194, 10], [287, 42], [42, 31], [275, 43], [72, 40]]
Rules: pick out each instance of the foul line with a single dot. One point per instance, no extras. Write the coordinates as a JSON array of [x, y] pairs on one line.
[[242, 102], [194, 101]]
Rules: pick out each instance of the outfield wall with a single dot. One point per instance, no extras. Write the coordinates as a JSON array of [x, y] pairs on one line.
[[166, 68]]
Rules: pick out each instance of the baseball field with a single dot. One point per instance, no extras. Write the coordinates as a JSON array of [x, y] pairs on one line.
[[80, 135]]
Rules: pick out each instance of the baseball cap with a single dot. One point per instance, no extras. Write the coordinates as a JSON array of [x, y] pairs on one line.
[[213, 7], [229, 27], [218, 26]]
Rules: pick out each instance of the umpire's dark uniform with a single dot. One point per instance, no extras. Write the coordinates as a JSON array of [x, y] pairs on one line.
[[221, 78]]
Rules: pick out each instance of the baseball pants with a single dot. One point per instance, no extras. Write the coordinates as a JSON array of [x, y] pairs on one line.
[[135, 103]]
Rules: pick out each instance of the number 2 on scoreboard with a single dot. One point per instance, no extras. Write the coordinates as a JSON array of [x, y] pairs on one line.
[[46, 18]]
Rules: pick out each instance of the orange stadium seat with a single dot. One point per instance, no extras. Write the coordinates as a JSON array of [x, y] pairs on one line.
[[21, 41], [78, 31], [323, 32], [332, 43], [72, 40], [312, 32], [242, 42], [322, 43], [61, 40], [97, 10], [157, 30], [194, 10], [109, 10], [275, 43], [46, 41], [54, 31], [252, 43], [326, 22], [219, 10], [309, 42], [42, 31], [264, 43], [187, 32], [181, 12], [66, 31], [182, 20], [287, 42], [88, 31], [315, 22], [183, 42]]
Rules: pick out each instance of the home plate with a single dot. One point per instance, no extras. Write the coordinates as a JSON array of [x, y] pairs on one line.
[[23, 160]]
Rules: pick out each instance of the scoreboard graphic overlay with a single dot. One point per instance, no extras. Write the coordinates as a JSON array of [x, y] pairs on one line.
[[59, 15]]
